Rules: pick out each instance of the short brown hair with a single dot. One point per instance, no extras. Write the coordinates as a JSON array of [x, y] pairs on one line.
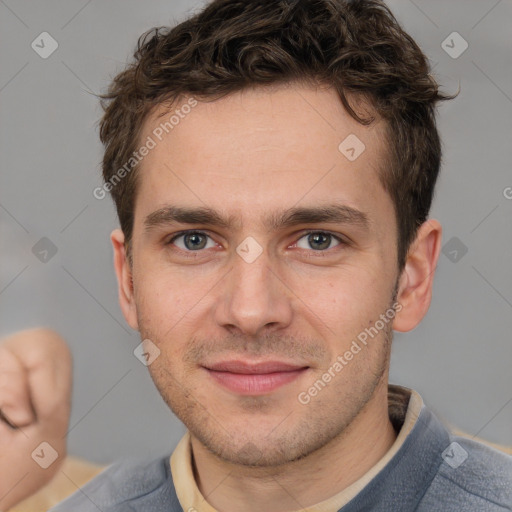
[[357, 47]]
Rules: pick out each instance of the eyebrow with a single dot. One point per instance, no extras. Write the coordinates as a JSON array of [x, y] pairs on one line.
[[331, 213]]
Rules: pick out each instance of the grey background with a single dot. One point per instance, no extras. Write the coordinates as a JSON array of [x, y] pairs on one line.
[[459, 358]]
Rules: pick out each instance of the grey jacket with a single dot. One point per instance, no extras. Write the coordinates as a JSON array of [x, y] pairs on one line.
[[432, 472]]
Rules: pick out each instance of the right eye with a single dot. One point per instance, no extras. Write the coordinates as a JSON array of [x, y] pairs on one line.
[[192, 241]]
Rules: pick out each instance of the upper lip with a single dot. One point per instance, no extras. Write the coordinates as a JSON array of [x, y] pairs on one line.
[[247, 367]]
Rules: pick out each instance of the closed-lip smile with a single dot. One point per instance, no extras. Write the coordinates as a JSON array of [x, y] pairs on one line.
[[254, 378]]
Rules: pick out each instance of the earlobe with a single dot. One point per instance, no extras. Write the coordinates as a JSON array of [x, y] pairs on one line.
[[415, 285], [124, 279]]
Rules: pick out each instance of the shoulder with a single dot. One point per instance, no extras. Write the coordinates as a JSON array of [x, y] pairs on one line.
[[472, 477], [121, 484]]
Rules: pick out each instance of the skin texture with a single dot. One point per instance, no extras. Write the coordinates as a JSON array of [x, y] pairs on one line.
[[35, 394], [248, 156]]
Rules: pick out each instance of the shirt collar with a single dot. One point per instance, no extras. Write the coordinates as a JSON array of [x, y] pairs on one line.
[[404, 407]]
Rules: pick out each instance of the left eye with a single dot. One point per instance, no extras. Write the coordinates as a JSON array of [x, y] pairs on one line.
[[318, 241], [193, 241]]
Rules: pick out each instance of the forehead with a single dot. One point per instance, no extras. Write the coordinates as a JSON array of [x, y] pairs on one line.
[[259, 149]]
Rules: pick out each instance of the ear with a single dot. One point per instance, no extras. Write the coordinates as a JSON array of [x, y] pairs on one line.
[[415, 286], [124, 279]]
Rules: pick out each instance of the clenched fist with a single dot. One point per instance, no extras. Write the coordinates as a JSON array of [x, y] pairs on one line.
[[35, 393]]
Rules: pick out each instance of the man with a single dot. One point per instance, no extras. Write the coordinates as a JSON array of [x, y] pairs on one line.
[[273, 165]]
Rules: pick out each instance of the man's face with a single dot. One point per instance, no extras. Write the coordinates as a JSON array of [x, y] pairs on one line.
[[278, 281]]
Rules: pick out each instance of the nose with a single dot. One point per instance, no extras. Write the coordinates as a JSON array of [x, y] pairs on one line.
[[253, 299]]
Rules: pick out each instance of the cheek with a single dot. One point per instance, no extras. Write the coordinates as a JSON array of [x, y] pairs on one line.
[[343, 301], [161, 301], [345, 290], [171, 306]]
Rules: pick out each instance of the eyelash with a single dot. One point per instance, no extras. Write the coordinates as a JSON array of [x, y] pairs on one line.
[[320, 254]]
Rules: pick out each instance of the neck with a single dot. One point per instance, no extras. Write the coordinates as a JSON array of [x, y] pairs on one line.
[[301, 483]]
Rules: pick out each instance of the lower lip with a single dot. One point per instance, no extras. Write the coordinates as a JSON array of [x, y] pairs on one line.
[[255, 384]]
